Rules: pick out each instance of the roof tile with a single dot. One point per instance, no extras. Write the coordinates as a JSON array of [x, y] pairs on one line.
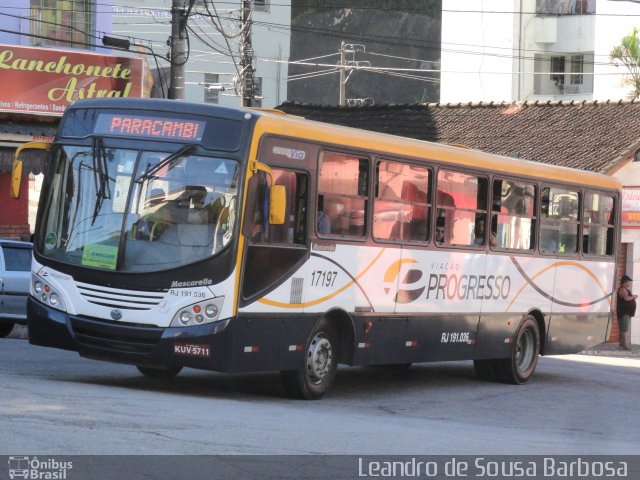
[[594, 136]]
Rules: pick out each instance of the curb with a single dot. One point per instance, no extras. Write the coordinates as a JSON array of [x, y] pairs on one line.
[[612, 350]]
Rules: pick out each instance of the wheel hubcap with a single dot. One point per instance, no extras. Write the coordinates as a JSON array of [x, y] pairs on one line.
[[525, 350], [319, 358]]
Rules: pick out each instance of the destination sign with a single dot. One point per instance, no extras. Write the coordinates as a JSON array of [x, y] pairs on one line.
[[149, 127]]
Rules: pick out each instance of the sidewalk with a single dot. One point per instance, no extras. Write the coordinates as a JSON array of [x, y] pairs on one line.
[[611, 349]]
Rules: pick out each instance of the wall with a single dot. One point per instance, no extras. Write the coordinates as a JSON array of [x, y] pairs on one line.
[[518, 38], [13, 24], [478, 50], [150, 20], [630, 175], [614, 21], [14, 222]]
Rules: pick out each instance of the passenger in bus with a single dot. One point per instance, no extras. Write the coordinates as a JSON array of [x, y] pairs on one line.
[[323, 222], [479, 233], [440, 228], [548, 240], [197, 212], [155, 219]]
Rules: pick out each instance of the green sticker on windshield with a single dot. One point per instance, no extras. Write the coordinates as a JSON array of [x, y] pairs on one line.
[[101, 256]]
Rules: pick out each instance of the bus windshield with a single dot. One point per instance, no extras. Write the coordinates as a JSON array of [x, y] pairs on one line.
[[135, 210]]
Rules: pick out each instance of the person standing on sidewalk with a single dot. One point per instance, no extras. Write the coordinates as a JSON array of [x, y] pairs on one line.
[[626, 309]]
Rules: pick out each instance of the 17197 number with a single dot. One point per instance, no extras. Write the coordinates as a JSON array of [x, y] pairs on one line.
[[323, 278]]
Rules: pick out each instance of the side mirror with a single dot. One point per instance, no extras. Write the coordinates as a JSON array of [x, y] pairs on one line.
[[16, 178], [16, 169], [277, 204]]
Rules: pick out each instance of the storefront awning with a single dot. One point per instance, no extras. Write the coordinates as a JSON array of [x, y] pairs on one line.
[[16, 133]]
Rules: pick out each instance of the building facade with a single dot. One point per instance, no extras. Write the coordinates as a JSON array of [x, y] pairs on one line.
[[528, 50], [214, 33]]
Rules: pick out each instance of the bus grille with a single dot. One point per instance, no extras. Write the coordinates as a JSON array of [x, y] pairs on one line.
[[121, 299], [297, 285], [128, 338]]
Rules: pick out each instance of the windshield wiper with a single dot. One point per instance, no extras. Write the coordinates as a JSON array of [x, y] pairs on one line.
[[101, 176], [150, 172]]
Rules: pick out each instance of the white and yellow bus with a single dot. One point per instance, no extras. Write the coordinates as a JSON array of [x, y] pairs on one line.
[[175, 235]]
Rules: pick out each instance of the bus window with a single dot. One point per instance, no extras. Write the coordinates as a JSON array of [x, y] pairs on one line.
[[513, 217], [559, 220], [462, 202], [343, 188], [401, 205], [598, 229]]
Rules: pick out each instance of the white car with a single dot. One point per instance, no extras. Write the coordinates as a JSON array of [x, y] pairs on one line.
[[15, 278]]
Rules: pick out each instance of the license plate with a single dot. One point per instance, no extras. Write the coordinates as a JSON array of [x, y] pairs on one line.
[[192, 350]]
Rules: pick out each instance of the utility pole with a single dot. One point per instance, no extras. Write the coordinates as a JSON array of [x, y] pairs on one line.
[[177, 45], [247, 72], [345, 65], [343, 77]]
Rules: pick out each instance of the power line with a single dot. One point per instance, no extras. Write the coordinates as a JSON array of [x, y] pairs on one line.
[[333, 33], [337, 34]]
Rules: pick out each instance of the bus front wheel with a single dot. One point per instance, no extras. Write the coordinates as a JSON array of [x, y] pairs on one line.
[[159, 373], [318, 369]]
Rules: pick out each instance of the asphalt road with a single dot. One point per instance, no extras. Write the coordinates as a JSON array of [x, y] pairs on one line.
[[56, 402]]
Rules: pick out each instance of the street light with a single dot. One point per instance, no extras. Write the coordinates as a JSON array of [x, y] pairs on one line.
[[114, 42]]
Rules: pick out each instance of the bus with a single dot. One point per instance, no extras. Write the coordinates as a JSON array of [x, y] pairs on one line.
[[175, 235]]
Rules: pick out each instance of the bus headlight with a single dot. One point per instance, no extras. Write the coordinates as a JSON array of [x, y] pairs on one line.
[[45, 293], [54, 299], [185, 318], [199, 313], [211, 310]]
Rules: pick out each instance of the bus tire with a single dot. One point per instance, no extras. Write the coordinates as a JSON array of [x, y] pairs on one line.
[[519, 368], [5, 329], [159, 373], [320, 363]]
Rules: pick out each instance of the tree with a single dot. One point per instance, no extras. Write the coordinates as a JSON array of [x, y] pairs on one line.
[[628, 53]]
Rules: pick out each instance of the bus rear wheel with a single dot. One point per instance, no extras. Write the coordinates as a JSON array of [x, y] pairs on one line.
[[318, 370], [524, 356], [520, 366], [159, 373]]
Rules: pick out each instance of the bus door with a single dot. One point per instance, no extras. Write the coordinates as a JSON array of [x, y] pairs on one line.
[[275, 253], [580, 311]]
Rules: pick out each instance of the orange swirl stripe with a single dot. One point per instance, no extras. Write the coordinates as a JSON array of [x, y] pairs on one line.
[[274, 303], [556, 265]]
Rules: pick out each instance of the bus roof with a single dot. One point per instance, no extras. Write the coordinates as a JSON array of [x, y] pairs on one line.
[[326, 133], [277, 122]]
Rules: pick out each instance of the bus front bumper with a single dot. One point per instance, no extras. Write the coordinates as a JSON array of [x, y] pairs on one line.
[[201, 346]]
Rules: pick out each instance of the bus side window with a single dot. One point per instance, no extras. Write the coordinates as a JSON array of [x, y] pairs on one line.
[[463, 201], [343, 187], [514, 214], [598, 229], [401, 209], [559, 223]]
